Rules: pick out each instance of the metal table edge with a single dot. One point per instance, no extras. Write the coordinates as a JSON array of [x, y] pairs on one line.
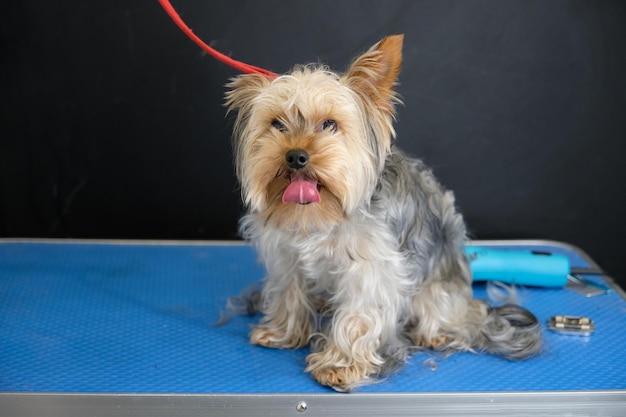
[[552, 403]]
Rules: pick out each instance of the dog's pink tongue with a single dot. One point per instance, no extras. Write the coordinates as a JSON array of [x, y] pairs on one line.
[[302, 190]]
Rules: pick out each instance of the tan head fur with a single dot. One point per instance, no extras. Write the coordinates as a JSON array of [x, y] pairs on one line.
[[342, 122]]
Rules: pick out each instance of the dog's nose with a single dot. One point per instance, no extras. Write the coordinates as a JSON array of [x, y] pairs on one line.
[[297, 158]]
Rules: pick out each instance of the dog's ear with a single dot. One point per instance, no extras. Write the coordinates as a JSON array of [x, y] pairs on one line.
[[243, 89], [376, 71]]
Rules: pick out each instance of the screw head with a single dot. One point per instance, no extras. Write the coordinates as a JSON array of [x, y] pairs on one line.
[[301, 407]]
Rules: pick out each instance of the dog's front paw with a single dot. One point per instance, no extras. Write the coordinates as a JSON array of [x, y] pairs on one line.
[[265, 336], [342, 378], [273, 337], [339, 376]]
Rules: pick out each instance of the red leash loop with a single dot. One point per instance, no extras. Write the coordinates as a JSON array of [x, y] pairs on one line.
[[238, 65]]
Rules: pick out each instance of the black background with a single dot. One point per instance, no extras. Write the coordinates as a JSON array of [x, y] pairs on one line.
[[112, 123]]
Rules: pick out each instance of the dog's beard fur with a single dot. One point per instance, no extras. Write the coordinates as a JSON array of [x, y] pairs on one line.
[[375, 268]]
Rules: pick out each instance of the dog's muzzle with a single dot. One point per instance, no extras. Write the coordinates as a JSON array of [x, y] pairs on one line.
[[302, 189]]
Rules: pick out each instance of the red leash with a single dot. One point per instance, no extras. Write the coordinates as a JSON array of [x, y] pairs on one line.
[[238, 65]]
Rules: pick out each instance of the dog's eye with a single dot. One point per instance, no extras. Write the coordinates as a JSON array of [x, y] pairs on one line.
[[278, 125], [329, 124]]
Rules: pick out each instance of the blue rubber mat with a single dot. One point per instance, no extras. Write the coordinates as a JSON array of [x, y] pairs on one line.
[[139, 318]]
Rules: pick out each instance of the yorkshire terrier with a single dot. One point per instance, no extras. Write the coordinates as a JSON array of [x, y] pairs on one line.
[[363, 248]]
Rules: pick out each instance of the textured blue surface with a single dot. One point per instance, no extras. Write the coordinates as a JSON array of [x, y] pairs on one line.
[[128, 318]]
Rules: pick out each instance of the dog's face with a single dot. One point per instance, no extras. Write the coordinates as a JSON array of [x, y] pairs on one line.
[[309, 146]]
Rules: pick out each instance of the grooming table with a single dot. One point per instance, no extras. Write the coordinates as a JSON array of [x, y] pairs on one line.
[[105, 328]]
